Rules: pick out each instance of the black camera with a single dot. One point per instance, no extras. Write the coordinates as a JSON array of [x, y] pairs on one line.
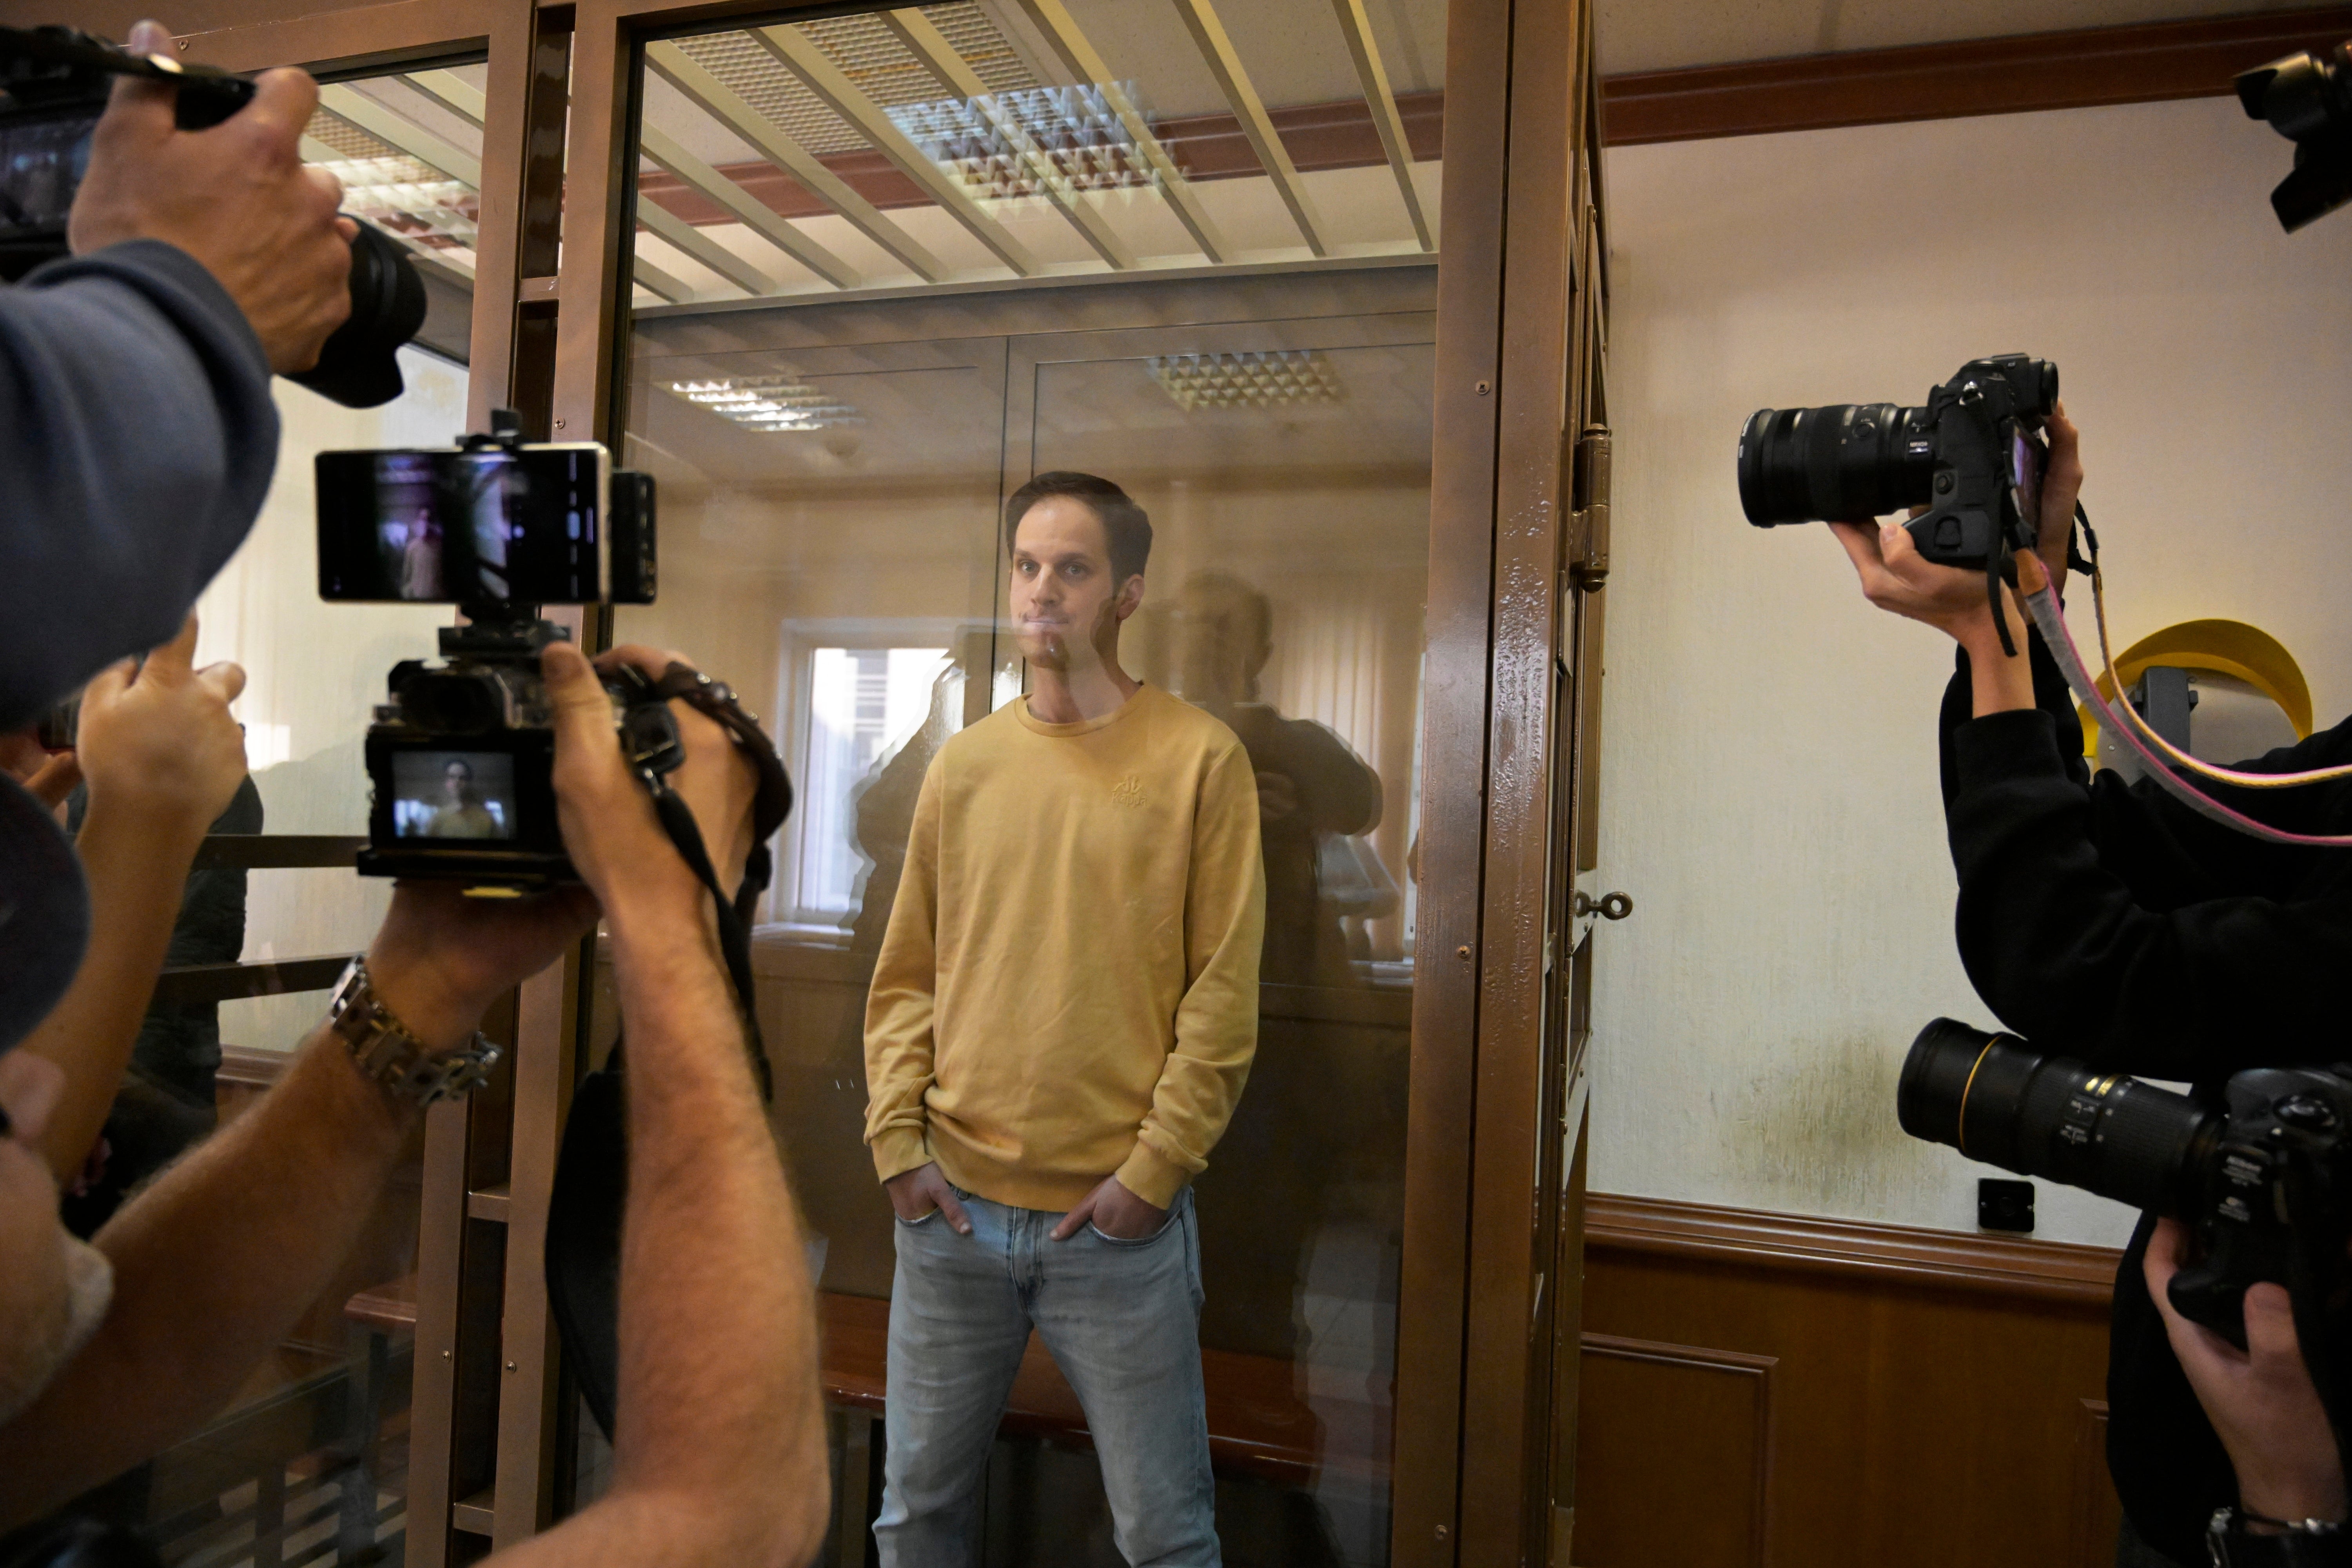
[[53, 88], [461, 758], [2263, 1178], [1973, 457], [2307, 98]]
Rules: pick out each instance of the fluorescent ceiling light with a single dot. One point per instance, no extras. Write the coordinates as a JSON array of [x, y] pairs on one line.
[[768, 403]]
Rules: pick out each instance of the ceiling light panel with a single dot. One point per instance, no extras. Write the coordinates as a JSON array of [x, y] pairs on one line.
[[869, 56], [1269, 380], [397, 193], [1074, 127]]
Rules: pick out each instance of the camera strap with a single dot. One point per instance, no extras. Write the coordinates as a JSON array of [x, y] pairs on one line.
[[590, 1200], [715, 701], [2165, 764]]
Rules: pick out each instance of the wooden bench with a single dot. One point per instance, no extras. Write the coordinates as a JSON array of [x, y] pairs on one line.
[[1258, 1424]]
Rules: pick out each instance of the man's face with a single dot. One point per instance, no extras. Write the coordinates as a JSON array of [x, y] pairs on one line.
[[50, 1301], [1066, 607], [458, 782]]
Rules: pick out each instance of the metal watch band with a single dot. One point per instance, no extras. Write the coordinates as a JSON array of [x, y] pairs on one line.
[[2304, 1545], [387, 1054]]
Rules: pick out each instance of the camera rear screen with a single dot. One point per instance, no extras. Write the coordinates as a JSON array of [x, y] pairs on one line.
[[42, 162], [452, 794], [2026, 457], [460, 528]]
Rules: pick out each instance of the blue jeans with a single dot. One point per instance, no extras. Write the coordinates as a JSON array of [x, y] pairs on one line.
[[1122, 1319]]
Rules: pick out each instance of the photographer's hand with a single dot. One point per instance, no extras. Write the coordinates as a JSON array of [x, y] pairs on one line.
[[238, 197], [1896, 579], [610, 830], [162, 759], [2260, 1399], [2062, 485]]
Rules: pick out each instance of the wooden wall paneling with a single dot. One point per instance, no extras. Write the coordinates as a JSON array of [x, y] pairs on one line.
[[1932, 1395], [2098, 1512], [1701, 1416], [1425, 1502], [2069, 69]]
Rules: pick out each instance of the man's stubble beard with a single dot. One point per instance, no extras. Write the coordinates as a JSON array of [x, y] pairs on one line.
[[1053, 651]]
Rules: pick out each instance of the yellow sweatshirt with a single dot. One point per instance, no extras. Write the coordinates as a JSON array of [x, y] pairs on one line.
[[1068, 984]]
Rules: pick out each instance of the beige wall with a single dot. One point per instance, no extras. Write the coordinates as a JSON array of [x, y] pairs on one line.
[[1770, 794]]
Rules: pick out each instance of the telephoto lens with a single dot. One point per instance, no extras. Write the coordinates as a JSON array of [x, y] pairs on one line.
[[1994, 1098], [1839, 463]]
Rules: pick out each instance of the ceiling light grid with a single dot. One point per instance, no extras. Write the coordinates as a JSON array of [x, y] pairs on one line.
[[769, 404], [1267, 380], [1074, 127], [870, 55]]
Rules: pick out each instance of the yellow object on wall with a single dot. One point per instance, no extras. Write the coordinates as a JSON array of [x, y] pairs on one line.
[[2226, 647]]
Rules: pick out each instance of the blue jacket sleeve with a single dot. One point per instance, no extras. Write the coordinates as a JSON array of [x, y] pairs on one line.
[[138, 438]]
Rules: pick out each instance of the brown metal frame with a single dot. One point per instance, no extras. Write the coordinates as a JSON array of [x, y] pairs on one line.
[[470, 1147]]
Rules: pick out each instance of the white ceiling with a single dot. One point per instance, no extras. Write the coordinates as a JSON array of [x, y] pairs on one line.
[[1663, 35]]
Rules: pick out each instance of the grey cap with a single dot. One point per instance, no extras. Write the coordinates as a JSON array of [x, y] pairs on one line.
[[44, 913]]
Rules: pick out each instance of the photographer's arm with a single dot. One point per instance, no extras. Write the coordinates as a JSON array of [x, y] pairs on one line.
[[136, 426], [720, 1456], [163, 757], [216, 1262]]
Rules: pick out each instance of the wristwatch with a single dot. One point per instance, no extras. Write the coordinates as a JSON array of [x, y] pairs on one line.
[[2299, 1543], [387, 1054]]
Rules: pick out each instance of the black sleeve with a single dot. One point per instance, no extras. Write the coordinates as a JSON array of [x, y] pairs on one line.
[[2113, 924], [138, 438]]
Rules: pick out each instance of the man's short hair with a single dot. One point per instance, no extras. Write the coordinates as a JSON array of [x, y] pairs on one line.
[[1125, 527]]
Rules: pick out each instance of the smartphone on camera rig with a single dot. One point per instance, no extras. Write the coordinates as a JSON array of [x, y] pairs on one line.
[[461, 758]]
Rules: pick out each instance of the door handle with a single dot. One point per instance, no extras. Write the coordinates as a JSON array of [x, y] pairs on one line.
[[1608, 906]]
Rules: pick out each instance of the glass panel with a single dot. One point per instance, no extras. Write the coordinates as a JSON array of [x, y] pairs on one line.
[[1006, 180], [309, 1463], [1288, 484]]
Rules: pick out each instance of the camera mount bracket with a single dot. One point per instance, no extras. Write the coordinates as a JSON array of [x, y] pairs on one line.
[[505, 433]]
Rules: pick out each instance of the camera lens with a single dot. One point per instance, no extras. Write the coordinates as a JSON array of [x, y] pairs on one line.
[[2045, 390], [358, 366], [1994, 1099], [1842, 462]]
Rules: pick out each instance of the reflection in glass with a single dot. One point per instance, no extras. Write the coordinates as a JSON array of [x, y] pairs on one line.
[[832, 473], [848, 581]]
